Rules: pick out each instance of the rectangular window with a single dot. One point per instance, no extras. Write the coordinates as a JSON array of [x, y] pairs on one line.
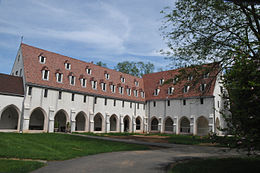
[[122, 80], [184, 102], [168, 102], [201, 100], [72, 97], [221, 89], [202, 87], [45, 92], [128, 90], [20, 72], [95, 100], [136, 93], [60, 95], [186, 89], [105, 102], [136, 83], [156, 92], [130, 104], [144, 106], [123, 103], [84, 99], [113, 88], [45, 75], [103, 86], [59, 77], [88, 70], [114, 102], [94, 84], [154, 103], [67, 66], [72, 80], [30, 91], [121, 90], [218, 104], [107, 76], [142, 94], [137, 105], [83, 82]]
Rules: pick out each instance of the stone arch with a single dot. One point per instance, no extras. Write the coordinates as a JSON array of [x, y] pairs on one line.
[[184, 125], [98, 122], [202, 126], [61, 119], [138, 123], [81, 121], [127, 124], [113, 120], [217, 126], [168, 124], [9, 118], [154, 124], [37, 119]]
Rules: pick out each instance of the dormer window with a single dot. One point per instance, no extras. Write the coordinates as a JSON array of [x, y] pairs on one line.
[[136, 83], [107, 76], [206, 75], [94, 84], [128, 91], [121, 90], [190, 78], [161, 81], [113, 88], [72, 80], [42, 59], [89, 71], [59, 77], [83, 82], [203, 87], [122, 79], [103, 86], [186, 89], [67, 66], [45, 74], [135, 93], [142, 94], [156, 92], [170, 90], [175, 80]]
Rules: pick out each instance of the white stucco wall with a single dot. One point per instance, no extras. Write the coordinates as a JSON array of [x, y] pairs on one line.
[[15, 102]]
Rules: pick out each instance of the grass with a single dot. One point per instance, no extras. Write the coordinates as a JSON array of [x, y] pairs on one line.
[[226, 165], [53, 146], [18, 166]]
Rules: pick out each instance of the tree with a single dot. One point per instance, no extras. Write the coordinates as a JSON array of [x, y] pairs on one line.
[[99, 63], [227, 32], [214, 30], [137, 69], [242, 82]]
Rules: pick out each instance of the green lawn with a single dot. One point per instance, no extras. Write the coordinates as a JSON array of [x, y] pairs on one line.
[[227, 165], [18, 166], [56, 146]]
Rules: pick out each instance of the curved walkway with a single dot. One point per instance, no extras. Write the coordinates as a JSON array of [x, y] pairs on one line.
[[134, 161]]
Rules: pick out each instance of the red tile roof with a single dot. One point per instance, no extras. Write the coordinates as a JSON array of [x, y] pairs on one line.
[[151, 82], [12, 85], [56, 63]]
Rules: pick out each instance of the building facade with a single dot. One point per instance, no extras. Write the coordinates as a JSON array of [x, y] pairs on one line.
[[62, 92]]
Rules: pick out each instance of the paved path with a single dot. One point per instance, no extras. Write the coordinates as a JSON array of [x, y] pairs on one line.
[[134, 161]]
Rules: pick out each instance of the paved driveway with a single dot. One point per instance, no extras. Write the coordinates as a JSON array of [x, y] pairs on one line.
[[134, 161]]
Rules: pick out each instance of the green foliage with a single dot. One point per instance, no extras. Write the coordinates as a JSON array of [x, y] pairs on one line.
[[207, 31], [137, 69], [18, 166], [56, 146], [99, 63], [242, 82], [226, 165]]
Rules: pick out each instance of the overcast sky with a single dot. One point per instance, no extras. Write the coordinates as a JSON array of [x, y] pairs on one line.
[[110, 31]]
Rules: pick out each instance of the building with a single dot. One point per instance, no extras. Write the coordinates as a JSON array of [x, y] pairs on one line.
[[61, 91]]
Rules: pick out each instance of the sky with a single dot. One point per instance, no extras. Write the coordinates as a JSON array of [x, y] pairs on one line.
[[110, 31]]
